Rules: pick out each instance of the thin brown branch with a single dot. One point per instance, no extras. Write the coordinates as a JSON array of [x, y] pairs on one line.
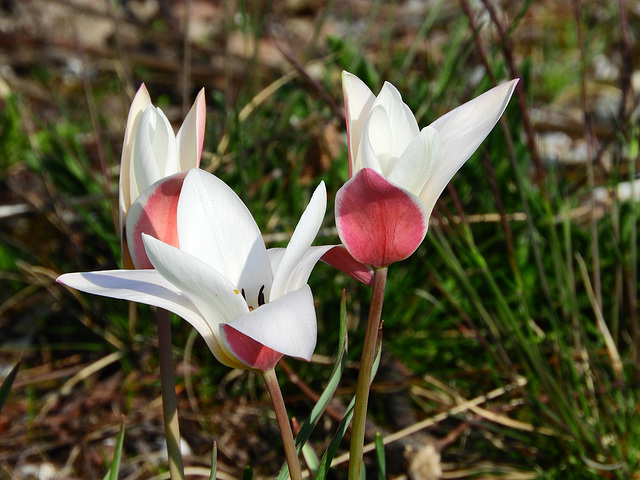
[[314, 84], [507, 50], [504, 223], [592, 146]]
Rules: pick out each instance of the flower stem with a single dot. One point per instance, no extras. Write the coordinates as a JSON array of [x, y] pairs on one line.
[[283, 423], [168, 387], [364, 377]]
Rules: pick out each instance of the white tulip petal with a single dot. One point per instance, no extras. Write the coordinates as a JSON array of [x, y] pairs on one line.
[[190, 137], [215, 297], [300, 274], [165, 145], [139, 103], [150, 288], [400, 117], [375, 145], [462, 130], [275, 257], [413, 169], [142, 286], [358, 100], [303, 235], [216, 227], [145, 166], [287, 325]]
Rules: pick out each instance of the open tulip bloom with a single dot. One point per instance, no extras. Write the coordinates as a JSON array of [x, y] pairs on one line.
[[251, 305], [399, 171], [152, 152], [153, 167]]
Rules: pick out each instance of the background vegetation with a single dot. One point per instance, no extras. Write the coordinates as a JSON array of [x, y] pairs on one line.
[[512, 334]]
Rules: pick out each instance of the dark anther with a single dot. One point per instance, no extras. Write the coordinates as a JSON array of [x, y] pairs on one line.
[[261, 296], [243, 295]]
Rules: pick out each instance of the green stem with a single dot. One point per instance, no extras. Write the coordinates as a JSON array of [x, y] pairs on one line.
[[283, 423], [168, 387], [364, 377]]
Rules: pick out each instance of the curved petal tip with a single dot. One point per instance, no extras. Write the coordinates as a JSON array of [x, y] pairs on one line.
[[340, 258]]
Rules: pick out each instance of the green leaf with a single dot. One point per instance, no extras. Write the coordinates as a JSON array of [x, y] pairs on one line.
[[310, 458], [382, 464], [112, 474], [334, 380], [5, 388]]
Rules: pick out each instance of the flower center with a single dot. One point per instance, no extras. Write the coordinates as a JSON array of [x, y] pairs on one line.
[[260, 298]]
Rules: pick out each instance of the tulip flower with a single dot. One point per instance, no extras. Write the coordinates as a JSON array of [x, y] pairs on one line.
[[251, 305], [397, 171], [152, 152], [153, 167]]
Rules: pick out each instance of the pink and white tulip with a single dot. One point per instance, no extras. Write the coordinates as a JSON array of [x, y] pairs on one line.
[[251, 305], [397, 171], [152, 153]]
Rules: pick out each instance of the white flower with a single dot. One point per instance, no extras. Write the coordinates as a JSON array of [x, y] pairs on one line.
[[151, 152], [251, 305]]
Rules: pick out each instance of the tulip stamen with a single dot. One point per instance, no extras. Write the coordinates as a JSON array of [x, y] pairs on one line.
[[261, 300], [245, 299]]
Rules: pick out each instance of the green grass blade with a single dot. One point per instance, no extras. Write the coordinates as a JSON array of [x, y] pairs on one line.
[[334, 380], [382, 464], [112, 474], [325, 463], [214, 462], [310, 458]]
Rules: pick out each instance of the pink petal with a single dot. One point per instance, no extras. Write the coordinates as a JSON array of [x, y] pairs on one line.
[[340, 258], [154, 213], [248, 351], [378, 222]]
